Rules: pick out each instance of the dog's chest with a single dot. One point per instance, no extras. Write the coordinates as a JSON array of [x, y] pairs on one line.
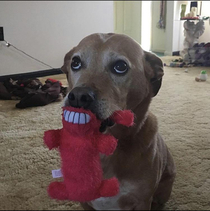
[[111, 203]]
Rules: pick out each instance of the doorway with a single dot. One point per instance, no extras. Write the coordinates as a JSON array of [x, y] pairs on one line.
[[133, 18]]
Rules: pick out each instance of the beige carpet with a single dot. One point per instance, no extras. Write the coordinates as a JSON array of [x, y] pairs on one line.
[[183, 110]]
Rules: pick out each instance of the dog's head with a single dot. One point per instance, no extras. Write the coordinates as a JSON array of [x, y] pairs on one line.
[[109, 72]]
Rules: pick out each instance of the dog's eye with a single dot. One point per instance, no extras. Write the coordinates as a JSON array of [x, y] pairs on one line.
[[120, 67], [76, 63]]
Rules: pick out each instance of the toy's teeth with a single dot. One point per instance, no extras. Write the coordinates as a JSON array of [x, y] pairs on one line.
[[71, 117], [66, 115], [75, 117], [82, 119]]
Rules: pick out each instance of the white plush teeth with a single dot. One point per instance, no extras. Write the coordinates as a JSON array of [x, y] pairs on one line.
[[75, 117], [87, 118], [67, 115], [64, 113], [71, 117], [82, 119]]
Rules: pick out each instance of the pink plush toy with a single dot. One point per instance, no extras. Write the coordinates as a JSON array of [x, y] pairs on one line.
[[80, 143]]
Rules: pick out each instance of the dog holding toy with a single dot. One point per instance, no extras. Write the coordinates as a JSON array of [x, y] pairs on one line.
[[79, 143]]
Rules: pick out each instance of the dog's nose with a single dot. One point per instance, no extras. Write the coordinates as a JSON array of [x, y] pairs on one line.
[[81, 97]]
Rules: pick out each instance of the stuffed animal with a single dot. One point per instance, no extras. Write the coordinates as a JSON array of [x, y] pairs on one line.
[[80, 143]]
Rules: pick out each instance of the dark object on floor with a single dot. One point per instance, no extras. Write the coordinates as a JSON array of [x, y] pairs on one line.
[[30, 83], [201, 44], [49, 82], [198, 55], [20, 88], [207, 45], [48, 93], [31, 92], [36, 99], [4, 94], [178, 60]]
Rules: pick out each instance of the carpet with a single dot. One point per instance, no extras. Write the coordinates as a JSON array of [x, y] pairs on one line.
[[182, 108]]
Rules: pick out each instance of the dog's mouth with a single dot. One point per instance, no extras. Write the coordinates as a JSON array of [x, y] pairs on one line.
[[106, 123], [76, 117]]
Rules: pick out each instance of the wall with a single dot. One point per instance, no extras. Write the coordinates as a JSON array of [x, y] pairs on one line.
[[146, 25], [47, 30], [169, 37], [130, 19], [166, 40], [158, 36], [205, 37], [127, 18]]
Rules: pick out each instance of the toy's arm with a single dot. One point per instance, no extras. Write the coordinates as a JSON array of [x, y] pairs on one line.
[[52, 138], [123, 117], [107, 144]]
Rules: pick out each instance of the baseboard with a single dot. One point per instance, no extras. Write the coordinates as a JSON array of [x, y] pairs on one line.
[[176, 53], [35, 74]]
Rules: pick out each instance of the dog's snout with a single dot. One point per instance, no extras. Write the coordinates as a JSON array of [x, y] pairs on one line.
[[81, 97]]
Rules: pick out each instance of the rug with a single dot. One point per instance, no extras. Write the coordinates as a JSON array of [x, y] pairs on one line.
[[182, 108]]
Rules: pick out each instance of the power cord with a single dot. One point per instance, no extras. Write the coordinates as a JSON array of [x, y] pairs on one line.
[[9, 44]]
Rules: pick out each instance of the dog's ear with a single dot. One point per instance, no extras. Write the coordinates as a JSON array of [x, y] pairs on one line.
[[67, 61], [154, 71]]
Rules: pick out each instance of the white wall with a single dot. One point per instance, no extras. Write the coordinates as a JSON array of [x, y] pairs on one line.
[[166, 40], [127, 18], [47, 30], [169, 28], [158, 36], [146, 22], [205, 37]]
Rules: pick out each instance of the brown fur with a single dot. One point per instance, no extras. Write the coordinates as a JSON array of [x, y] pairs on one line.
[[141, 158]]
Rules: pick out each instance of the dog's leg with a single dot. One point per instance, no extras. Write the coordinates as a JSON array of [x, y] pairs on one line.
[[85, 206], [163, 192], [143, 205], [131, 202]]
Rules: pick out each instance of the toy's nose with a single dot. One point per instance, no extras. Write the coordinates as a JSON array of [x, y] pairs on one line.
[[81, 97]]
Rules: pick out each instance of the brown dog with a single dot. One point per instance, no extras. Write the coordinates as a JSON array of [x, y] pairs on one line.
[[108, 72]]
